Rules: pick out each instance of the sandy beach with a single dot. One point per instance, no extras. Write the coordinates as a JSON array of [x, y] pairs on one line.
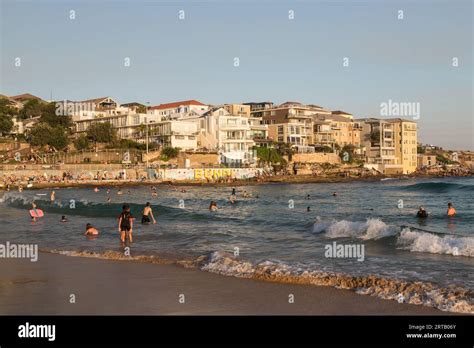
[[128, 287]]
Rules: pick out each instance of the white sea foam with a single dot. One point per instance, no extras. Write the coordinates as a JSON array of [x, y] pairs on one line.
[[370, 229], [436, 244], [453, 299]]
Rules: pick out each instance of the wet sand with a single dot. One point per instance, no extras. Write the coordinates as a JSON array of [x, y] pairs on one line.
[[113, 287]]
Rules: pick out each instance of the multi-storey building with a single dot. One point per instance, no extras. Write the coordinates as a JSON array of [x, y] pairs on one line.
[[389, 145], [238, 109], [291, 123], [228, 134], [176, 110], [335, 129], [174, 133], [256, 108]]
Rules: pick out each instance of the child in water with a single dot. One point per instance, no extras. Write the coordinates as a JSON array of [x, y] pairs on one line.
[[125, 224]]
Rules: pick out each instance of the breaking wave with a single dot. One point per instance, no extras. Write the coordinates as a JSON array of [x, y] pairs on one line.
[[453, 298], [436, 244], [370, 229]]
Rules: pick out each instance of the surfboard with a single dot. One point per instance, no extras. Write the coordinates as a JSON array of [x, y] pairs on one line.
[[41, 194], [37, 213]]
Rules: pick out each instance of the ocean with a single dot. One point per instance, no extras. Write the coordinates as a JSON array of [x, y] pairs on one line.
[[272, 235]]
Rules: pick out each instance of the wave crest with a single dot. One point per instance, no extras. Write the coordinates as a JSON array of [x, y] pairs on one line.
[[370, 229], [436, 244]]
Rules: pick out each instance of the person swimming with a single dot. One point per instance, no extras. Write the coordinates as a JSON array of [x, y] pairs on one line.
[[451, 211], [308, 196], [308, 209], [421, 213], [233, 191], [334, 194], [53, 196], [91, 230], [96, 189], [63, 218], [125, 224], [232, 199], [213, 206], [147, 212]]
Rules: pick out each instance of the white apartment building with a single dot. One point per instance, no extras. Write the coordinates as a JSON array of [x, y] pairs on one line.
[[230, 135], [175, 133], [180, 109]]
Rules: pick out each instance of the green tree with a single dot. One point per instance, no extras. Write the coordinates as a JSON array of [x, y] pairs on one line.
[[43, 134], [141, 109], [49, 116], [169, 152], [347, 153], [6, 109], [101, 132], [81, 143], [6, 125], [268, 155], [32, 108]]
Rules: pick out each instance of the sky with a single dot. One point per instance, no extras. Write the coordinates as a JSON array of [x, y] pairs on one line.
[[280, 57]]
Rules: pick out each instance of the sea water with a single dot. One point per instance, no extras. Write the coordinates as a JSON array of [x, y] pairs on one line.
[[272, 235]]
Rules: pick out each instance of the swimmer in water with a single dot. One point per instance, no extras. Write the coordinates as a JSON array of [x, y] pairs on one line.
[[334, 194], [147, 212], [308, 209], [421, 214], [451, 211], [63, 218], [108, 191], [119, 192], [308, 196], [109, 199], [96, 189], [213, 206], [91, 231], [232, 199], [53, 196]]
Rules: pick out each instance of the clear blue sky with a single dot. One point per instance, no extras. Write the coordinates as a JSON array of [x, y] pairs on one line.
[[405, 60]]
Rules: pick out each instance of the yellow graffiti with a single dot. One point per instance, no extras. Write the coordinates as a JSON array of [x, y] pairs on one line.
[[213, 173]]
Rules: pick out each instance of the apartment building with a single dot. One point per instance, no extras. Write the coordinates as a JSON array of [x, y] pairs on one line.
[[406, 143], [389, 145], [177, 110], [228, 134], [174, 133], [238, 109], [256, 108], [292, 123], [336, 129]]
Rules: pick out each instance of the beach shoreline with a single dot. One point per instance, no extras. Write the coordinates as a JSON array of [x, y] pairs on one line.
[[293, 179], [112, 287]]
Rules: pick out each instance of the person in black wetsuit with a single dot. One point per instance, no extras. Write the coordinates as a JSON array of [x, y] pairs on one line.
[[126, 224], [421, 213]]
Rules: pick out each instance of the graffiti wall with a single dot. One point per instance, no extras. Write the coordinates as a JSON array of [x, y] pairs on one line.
[[207, 174]]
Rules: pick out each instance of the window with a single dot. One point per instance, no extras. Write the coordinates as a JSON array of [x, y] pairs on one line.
[[280, 130], [179, 137]]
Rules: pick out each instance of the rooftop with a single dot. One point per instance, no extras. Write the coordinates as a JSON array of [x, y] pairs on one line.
[[176, 104]]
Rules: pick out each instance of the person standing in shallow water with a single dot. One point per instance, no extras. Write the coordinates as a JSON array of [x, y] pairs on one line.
[[147, 213], [125, 224]]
